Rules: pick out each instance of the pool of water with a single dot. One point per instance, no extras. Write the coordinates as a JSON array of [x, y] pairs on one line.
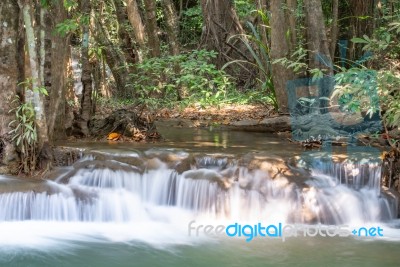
[[219, 252]]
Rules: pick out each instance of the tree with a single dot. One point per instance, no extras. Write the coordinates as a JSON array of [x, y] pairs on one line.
[[318, 46], [151, 28], [280, 47], [361, 24], [127, 45], [115, 59], [171, 21], [60, 57], [316, 37], [220, 24], [334, 28], [9, 14], [137, 24], [34, 95], [86, 101]]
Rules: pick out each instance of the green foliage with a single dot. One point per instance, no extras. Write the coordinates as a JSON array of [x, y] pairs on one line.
[[67, 26], [260, 59], [298, 62], [70, 4], [23, 127], [244, 8], [368, 90], [24, 133], [191, 25], [357, 88], [28, 84], [157, 80], [385, 39]]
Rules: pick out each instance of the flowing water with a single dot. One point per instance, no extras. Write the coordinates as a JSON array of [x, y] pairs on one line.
[[131, 205]]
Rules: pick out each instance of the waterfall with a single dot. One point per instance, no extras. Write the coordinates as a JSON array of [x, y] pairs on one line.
[[212, 187]]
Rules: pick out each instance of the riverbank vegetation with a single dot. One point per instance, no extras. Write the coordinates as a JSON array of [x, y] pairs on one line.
[[64, 62]]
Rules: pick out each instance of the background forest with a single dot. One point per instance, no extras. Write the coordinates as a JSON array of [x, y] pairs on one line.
[[61, 60]]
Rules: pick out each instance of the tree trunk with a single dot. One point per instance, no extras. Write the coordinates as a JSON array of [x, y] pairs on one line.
[[171, 21], [292, 6], [60, 57], [9, 17], [126, 43], [280, 48], [151, 28], [263, 6], [42, 52], [220, 24], [316, 37], [137, 23], [319, 57], [35, 97], [86, 101], [360, 26], [115, 59], [334, 28]]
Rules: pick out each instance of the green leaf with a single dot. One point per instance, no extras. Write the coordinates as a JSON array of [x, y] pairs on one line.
[[359, 41], [18, 140]]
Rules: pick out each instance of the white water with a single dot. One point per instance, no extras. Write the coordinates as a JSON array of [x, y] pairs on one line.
[[100, 204]]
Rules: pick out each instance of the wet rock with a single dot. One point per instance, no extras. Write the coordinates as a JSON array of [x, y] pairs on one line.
[[124, 122], [14, 184], [209, 175], [276, 124], [245, 123], [135, 161], [274, 166], [176, 122], [154, 164], [66, 156]]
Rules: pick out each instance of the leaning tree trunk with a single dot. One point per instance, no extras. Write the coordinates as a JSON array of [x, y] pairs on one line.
[[151, 28], [220, 24], [86, 101], [115, 59], [34, 96], [9, 18], [280, 48], [137, 24], [126, 43]]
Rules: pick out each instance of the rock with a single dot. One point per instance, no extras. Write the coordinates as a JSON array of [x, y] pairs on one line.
[[210, 175], [322, 130], [66, 156], [277, 124], [274, 166], [124, 122], [4, 170], [245, 123], [176, 122]]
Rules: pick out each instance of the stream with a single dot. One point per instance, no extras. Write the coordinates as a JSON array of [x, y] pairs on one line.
[[147, 204]]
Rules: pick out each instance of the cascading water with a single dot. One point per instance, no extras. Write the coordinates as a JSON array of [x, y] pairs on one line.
[[211, 187]]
